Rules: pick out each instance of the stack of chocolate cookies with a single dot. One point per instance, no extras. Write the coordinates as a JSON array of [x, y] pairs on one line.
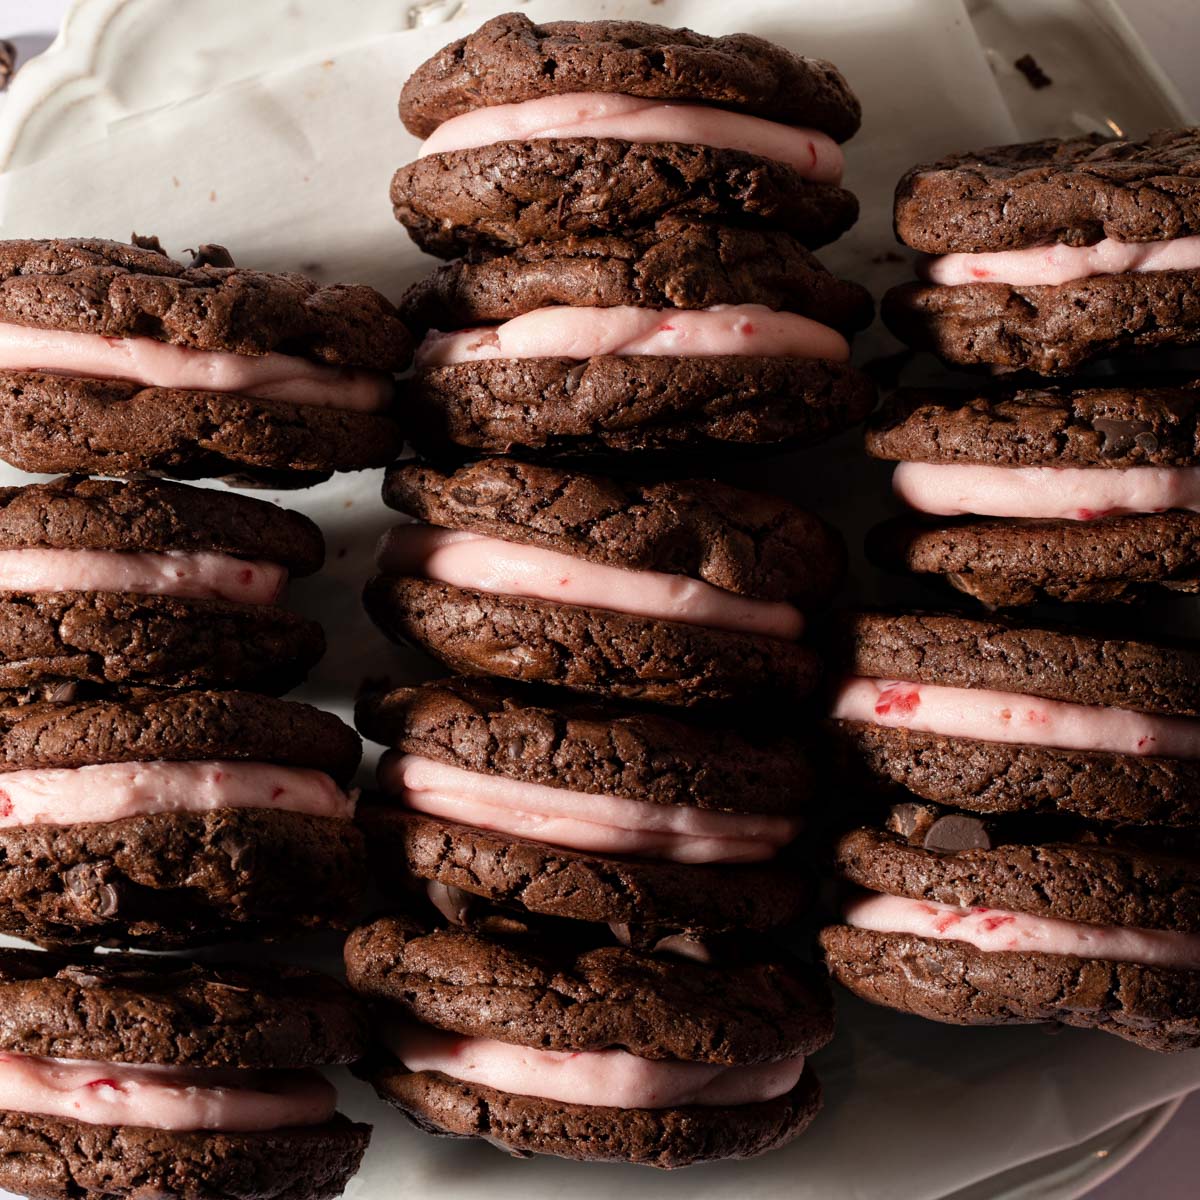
[[155, 791], [1041, 861], [596, 829]]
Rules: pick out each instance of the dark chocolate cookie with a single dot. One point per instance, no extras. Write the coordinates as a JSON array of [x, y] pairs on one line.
[[46, 1158], [509, 193], [642, 403], [1156, 1007], [179, 879], [672, 264], [1064, 426], [498, 728], [1075, 190], [1052, 330], [659, 1137], [561, 997], [175, 1012], [509, 59], [52, 423], [104, 514], [584, 887], [1095, 880], [126, 640], [1006, 561], [89, 285], [1011, 656], [587, 649], [177, 727], [745, 542]]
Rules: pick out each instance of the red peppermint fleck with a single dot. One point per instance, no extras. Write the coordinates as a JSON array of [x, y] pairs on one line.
[[812, 154], [1143, 742], [980, 273], [1006, 714], [1036, 717], [904, 698], [6, 804], [108, 1083], [276, 793], [665, 327], [246, 576], [990, 924], [946, 920], [747, 328]]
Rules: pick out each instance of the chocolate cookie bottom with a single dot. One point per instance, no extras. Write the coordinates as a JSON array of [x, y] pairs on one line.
[[952, 982]]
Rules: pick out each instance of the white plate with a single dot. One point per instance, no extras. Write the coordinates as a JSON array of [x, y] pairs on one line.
[[226, 121]]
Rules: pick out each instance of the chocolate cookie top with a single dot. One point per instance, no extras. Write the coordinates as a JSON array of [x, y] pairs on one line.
[[672, 264], [509, 193], [745, 542], [1093, 878], [1058, 664], [104, 514], [1074, 190], [1059, 426], [89, 285], [175, 1012], [188, 726], [503, 729], [558, 997], [509, 59]]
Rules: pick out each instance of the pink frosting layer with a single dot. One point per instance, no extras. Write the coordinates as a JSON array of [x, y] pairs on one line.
[[814, 155], [581, 333], [607, 1078], [102, 1093], [1070, 493], [189, 575], [282, 377], [487, 564], [1051, 265], [579, 820], [995, 929], [1013, 718], [112, 791]]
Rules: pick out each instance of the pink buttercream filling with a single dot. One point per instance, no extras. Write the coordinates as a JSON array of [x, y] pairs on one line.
[[282, 377], [487, 564], [812, 154], [565, 331], [582, 820], [607, 1078], [994, 929], [113, 791], [153, 1097], [187, 574], [1051, 265], [1068, 493], [1010, 717]]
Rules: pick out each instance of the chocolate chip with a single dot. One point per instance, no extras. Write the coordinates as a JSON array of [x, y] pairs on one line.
[[912, 821], [1147, 442], [64, 693], [453, 903], [684, 945], [146, 241], [210, 255], [1030, 68], [621, 933], [1120, 435], [957, 832]]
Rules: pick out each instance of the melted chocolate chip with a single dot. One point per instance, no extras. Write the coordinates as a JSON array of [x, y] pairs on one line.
[[1121, 434], [956, 832]]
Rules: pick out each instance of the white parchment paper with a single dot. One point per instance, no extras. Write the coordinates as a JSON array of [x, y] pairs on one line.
[[289, 167]]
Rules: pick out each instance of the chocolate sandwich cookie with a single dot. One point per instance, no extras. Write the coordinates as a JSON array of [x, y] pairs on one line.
[[681, 593], [974, 923], [1065, 493], [115, 359], [677, 336], [135, 584], [604, 1054], [135, 1075], [996, 716], [1053, 253], [537, 132], [567, 809], [175, 819]]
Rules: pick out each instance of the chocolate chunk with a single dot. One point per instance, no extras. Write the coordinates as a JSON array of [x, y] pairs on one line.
[[210, 254], [1120, 435], [956, 832], [913, 821]]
